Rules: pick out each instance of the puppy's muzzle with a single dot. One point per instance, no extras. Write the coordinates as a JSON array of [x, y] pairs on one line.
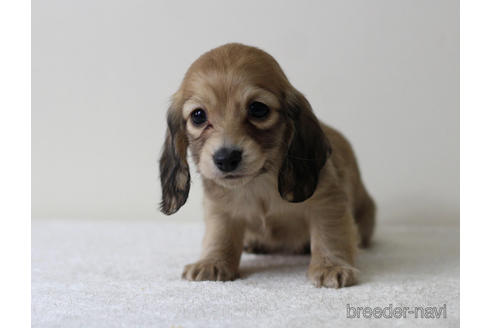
[[227, 159]]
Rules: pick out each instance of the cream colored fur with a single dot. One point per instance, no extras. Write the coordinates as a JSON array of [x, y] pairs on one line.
[[248, 212]]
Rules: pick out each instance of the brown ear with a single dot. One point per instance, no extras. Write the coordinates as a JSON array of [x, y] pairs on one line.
[[307, 152], [174, 169]]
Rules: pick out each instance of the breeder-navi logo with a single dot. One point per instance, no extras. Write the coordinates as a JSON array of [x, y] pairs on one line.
[[397, 312]]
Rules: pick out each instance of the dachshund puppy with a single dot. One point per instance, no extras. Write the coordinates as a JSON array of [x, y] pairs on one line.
[[275, 178]]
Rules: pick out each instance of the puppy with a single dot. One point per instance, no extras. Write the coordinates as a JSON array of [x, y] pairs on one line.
[[275, 178]]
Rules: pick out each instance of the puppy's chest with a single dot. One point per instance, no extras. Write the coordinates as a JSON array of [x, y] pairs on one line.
[[260, 206]]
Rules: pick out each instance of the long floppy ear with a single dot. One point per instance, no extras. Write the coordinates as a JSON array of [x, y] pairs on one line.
[[307, 152], [174, 169]]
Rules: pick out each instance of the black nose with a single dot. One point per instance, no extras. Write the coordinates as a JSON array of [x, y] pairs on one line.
[[227, 159]]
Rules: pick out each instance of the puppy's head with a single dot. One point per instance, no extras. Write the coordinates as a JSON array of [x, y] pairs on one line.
[[241, 118]]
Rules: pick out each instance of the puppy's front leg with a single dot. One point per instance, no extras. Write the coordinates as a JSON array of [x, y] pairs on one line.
[[222, 248], [333, 247]]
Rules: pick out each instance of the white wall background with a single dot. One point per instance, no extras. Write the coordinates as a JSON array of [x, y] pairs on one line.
[[384, 72]]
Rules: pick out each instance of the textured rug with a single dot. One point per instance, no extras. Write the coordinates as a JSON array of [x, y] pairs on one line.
[[127, 274]]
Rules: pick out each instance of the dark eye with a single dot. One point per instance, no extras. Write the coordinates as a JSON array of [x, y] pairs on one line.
[[198, 116], [258, 110]]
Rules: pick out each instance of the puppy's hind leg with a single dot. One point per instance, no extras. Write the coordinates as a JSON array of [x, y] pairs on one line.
[[365, 214], [255, 247]]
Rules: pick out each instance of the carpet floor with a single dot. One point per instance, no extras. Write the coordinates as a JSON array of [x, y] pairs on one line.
[[127, 274]]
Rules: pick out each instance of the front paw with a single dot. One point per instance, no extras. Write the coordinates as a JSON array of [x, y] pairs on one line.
[[208, 270], [334, 276]]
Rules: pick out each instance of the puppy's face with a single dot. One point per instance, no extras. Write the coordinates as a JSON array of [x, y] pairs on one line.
[[235, 127], [241, 118]]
